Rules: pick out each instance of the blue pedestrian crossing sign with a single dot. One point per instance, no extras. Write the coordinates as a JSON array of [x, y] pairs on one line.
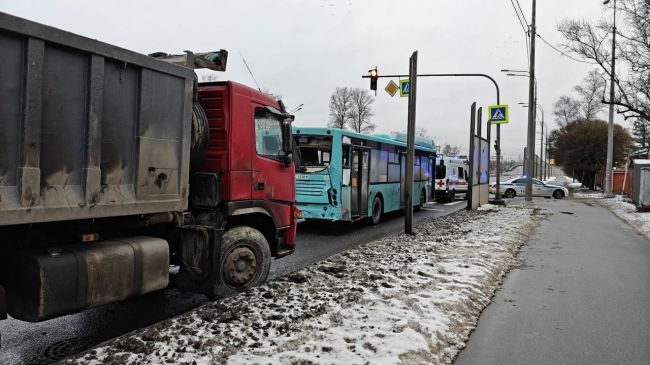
[[404, 87], [498, 114]]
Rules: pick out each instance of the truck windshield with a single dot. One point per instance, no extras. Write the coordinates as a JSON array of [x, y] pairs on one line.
[[312, 153]]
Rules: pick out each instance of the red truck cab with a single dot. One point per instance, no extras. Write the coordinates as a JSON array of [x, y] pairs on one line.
[[246, 148]]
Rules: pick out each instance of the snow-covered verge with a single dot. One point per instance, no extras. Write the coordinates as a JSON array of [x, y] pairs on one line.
[[587, 194], [627, 212], [402, 299]]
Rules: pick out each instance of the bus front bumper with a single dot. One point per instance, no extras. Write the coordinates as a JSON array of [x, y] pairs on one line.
[[319, 211]]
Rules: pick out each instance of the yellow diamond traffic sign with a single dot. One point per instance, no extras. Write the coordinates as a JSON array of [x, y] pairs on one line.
[[391, 88]]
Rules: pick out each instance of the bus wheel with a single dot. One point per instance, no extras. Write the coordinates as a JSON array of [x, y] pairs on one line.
[[245, 262], [377, 211], [423, 200]]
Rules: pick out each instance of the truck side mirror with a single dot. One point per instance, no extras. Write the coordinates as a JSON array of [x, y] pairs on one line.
[[287, 158], [287, 138], [287, 141]]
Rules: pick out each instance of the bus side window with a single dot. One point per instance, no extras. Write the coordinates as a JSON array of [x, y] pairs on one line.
[[346, 165]]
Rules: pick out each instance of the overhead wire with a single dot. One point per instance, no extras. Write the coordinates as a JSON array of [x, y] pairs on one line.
[[524, 27], [563, 53]]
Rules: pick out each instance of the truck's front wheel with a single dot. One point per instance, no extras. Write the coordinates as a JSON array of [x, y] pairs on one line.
[[245, 262]]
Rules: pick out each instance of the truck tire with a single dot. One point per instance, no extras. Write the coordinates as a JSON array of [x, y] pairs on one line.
[[245, 262], [200, 135]]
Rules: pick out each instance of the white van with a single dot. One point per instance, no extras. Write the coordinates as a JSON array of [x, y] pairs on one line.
[[451, 178]]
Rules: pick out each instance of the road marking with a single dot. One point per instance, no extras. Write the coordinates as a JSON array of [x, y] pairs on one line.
[[454, 203]]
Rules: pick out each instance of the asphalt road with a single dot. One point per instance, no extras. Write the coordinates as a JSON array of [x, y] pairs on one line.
[[581, 296], [44, 343]]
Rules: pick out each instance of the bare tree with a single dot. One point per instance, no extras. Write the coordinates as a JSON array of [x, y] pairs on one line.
[[641, 133], [588, 103], [422, 132], [565, 110], [591, 41], [360, 111], [449, 150], [209, 77], [340, 105], [271, 94], [592, 92]]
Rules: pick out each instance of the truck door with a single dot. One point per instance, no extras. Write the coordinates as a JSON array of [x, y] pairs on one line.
[[359, 193], [272, 182]]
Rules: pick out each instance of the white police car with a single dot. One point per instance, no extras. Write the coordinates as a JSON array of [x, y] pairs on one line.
[[517, 186]]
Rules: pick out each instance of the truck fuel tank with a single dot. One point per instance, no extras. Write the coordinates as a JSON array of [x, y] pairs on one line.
[[50, 282]]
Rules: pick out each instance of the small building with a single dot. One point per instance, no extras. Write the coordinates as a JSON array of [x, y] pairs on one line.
[[635, 175]]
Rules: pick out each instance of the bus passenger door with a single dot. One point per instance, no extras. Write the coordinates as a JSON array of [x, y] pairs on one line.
[[359, 183]]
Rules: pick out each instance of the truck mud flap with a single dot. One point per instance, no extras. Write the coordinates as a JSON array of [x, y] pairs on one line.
[[3, 303], [200, 255]]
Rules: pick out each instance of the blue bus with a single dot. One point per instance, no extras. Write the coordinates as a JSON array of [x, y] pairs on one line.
[[347, 176]]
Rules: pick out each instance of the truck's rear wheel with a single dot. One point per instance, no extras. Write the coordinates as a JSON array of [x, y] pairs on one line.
[[245, 262]]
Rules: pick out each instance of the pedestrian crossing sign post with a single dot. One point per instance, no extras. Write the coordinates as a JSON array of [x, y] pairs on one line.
[[498, 114], [404, 87]]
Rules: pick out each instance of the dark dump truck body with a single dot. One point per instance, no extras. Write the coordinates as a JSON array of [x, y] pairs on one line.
[[87, 129]]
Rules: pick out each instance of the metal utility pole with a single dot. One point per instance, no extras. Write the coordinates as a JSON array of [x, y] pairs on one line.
[[531, 109], [472, 166], [541, 151], [610, 128], [410, 146]]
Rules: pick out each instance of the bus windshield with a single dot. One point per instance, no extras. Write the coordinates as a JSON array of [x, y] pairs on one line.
[[312, 153]]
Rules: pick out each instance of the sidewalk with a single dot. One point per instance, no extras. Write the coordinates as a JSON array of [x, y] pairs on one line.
[[582, 295]]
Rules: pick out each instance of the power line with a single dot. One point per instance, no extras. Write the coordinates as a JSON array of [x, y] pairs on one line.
[[522, 12], [524, 27], [563, 53], [519, 17]]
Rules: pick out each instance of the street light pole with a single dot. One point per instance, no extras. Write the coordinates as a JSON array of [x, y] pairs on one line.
[[610, 128], [531, 108], [541, 139]]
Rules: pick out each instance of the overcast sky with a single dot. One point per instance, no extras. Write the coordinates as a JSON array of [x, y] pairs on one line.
[[303, 50]]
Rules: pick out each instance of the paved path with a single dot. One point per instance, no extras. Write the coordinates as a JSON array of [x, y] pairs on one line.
[[581, 297]]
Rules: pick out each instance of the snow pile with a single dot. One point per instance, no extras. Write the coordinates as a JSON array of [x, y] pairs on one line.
[[572, 185], [627, 212], [487, 207], [402, 299]]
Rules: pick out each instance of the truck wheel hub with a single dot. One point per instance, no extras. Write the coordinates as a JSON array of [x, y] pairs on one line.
[[240, 266]]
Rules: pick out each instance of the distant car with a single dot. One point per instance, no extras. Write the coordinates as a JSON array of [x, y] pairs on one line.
[[517, 186]]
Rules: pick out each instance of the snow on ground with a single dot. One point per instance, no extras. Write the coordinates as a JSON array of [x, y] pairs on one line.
[[399, 299], [627, 212], [587, 194]]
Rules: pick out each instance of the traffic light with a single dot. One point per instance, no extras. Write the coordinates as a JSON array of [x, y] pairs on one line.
[[374, 75]]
